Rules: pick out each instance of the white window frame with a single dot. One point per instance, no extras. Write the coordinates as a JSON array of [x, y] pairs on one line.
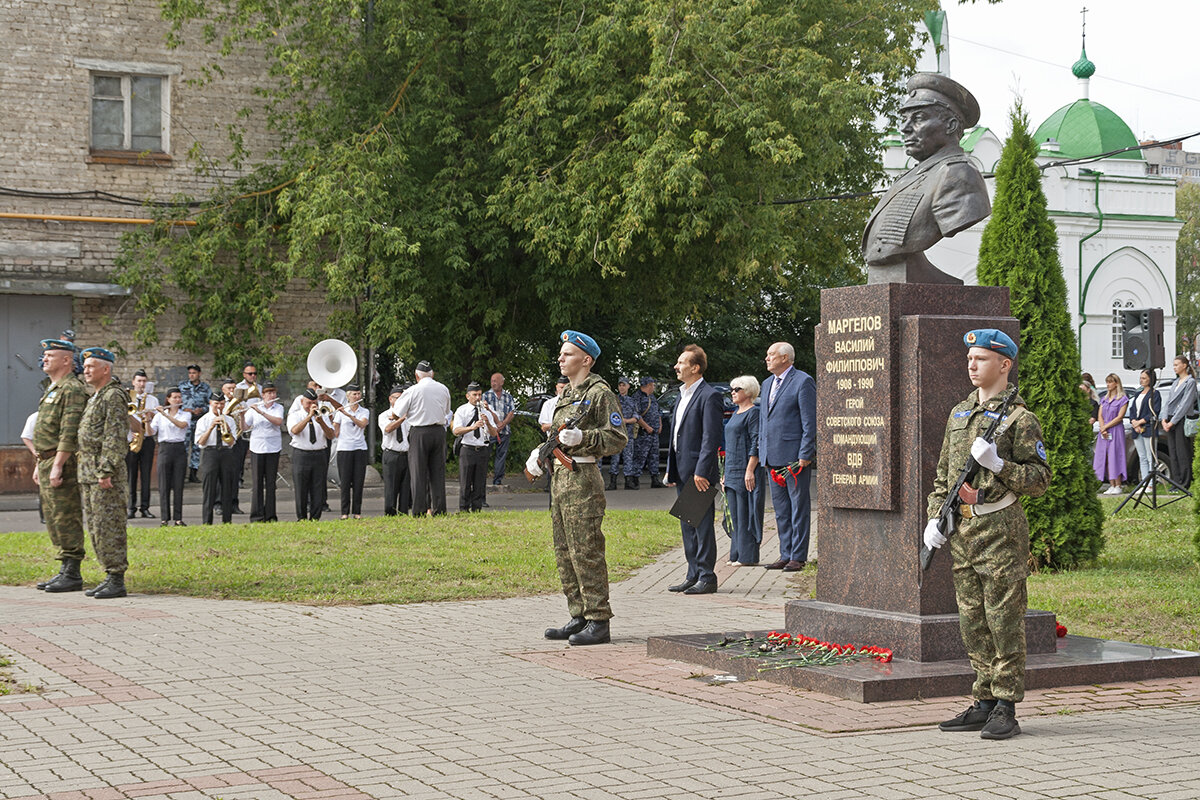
[[126, 70]]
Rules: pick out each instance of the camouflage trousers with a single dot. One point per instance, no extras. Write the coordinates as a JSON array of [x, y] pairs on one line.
[[63, 508], [625, 457], [576, 512], [991, 557], [106, 523], [645, 454]]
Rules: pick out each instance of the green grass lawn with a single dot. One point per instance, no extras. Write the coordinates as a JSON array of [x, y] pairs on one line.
[[1144, 588], [374, 560]]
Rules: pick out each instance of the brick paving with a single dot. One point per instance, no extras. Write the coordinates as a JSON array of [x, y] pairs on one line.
[[184, 699]]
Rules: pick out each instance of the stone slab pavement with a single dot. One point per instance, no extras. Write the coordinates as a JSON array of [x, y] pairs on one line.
[[179, 698]]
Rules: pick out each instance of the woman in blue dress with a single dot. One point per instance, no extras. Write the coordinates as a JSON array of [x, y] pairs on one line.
[[745, 492]]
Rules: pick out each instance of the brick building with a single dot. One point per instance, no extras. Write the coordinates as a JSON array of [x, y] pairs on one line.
[[97, 103]]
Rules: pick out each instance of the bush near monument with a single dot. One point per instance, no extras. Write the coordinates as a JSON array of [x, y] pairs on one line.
[[1020, 250]]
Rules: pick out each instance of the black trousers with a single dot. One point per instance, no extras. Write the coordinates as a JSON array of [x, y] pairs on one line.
[[264, 469], [352, 471], [241, 447], [138, 466], [427, 465], [218, 482], [397, 486], [172, 470], [310, 468], [472, 477], [1179, 453]]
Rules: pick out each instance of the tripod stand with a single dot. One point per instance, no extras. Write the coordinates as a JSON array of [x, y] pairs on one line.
[[1149, 482]]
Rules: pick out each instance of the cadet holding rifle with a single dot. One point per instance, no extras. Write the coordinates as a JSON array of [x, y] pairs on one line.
[[989, 536]]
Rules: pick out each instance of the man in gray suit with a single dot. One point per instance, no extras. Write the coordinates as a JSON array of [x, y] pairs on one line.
[[942, 195], [787, 443]]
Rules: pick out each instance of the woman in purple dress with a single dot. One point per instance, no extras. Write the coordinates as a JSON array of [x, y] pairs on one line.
[[1109, 462]]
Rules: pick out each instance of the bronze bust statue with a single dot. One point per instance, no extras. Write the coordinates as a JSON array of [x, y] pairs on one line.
[[942, 195]]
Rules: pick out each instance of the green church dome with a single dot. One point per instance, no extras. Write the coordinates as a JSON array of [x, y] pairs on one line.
[[1086, 128]]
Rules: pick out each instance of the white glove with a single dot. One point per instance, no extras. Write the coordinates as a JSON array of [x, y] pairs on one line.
[[532, 466], [570, 436], [933, 537], [984, 452]]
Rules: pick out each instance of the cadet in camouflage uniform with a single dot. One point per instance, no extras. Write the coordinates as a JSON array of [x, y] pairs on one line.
[[55, 440], [629, 417], [577, 496], [990, 545], [102, 449]]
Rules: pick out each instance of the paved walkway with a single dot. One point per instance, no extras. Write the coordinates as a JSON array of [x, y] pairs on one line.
[[166, 697]]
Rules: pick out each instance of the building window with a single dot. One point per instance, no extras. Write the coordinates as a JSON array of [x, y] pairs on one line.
[[1118, 327], [128, 113]]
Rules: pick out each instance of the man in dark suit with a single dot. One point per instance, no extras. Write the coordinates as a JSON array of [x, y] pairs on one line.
[[787, 431], [696, 437]]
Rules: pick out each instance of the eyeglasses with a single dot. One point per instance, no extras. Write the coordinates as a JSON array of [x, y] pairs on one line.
[[249, 372], [733, 389]]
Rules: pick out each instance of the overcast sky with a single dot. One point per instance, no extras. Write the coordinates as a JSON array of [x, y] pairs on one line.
[[1145, 55]]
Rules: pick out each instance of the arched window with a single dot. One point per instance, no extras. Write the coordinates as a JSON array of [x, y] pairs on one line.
[[1118, 325]]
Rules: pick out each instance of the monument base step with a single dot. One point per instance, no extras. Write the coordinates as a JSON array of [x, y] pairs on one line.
[[1078, 660]]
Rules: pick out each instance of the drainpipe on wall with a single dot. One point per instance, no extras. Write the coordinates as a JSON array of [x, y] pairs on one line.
[[1100, 216]]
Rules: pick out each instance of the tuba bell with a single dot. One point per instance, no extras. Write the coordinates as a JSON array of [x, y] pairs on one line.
[[332, 363]]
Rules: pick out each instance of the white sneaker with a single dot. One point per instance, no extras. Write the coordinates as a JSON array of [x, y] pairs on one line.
[[1114, 490]]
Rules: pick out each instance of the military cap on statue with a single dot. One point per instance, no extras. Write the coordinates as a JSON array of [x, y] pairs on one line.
[[100, 353], [991, 339], [932, 89], [58, 344], [581, 340]]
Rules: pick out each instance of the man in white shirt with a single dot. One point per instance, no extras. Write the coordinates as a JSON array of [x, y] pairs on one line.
[[350, 421], [170, 426], [427, 406], [139, 464], [397, 488], [264, 420], [27, 438], [216, 434], [246, 387], [229, 390], [477, 426], [310, 432]]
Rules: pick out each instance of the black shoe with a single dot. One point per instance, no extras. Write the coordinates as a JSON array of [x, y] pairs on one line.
[[164, 523], [1002, 722], [148, 515], [681, 587], [794, 566], [612, 481], [630, 482], [43, 584], [238, 511], [973, 719], [180, 523], [595, 632], [566, 631], [708, 587], [113, 587], [92, 591], [656, 482], [69, 580], [131, 515], [637, 481], [191, 478]]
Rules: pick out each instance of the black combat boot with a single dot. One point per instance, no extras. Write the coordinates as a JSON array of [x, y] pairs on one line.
[[574, 626], [92, 591], [656, 482], [612, 481], [191, 478], [1002, 722], [595, 632], [69, 580], [113, 587], [630, 482], [973, 719], [44, 583]]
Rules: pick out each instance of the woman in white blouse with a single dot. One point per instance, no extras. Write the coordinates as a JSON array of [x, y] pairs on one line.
[[349, 423]]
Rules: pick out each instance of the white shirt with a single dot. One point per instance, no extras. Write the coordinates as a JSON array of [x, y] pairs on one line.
[[425, 403], [208, 421], [300, 441], [546, 415], [151, 404], [166, 431], [27, 431], [395, 440], [264, 434], [685, 397], [249, 402], [350, 436], [776, 385], [462, 419]]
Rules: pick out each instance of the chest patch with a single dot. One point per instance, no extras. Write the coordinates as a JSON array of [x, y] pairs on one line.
[[961, 414]]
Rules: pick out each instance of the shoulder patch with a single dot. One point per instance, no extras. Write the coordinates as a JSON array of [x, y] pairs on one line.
[[1040, 447], [615, 419]]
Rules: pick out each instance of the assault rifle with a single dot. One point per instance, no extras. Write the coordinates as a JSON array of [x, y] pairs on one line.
[[950, 506], [550, 448]]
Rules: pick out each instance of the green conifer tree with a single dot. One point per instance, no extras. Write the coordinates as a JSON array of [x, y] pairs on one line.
[[1020, 251]]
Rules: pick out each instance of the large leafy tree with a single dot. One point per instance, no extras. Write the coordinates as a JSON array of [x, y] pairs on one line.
[[1020, 250], [463, 180], [1187, 259]]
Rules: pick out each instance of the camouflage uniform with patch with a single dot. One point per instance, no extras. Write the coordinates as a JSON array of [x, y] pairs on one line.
[[57, 430], [577, 507], [645, 446], [991, 552], [102, 449]]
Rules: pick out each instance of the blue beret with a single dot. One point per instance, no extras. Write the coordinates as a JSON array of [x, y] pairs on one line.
[[581, 340], [100, 353], [991, 339], [58, 344]]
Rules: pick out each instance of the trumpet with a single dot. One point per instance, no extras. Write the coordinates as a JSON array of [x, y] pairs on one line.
[[227, 437]]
